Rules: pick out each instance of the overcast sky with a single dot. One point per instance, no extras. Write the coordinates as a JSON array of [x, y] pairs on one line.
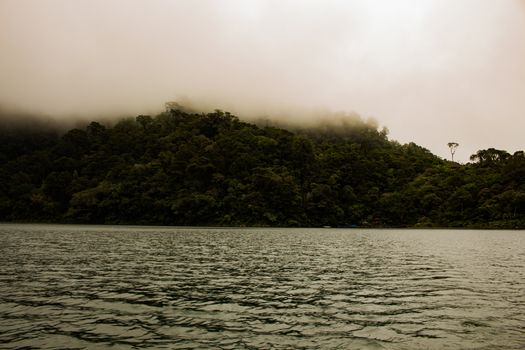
[[432, 71]]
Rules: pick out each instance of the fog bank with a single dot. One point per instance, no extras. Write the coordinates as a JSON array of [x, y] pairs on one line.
[[432, 71]]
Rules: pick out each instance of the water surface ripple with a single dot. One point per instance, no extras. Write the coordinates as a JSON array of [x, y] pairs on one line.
[[82, 287]]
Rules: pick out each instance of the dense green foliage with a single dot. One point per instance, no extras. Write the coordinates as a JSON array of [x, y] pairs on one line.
[[212, 169]]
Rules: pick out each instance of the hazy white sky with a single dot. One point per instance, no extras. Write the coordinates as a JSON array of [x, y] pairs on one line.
[[432, 71]]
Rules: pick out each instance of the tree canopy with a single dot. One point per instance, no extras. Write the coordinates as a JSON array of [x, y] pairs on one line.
[[182, 168]]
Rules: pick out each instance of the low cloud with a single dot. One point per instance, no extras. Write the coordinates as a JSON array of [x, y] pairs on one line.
[[432, 71]]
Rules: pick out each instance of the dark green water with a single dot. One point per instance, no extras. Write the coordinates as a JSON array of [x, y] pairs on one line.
[[85, 287]]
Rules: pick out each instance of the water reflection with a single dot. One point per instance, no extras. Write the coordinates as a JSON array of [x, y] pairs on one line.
[[83, 287]]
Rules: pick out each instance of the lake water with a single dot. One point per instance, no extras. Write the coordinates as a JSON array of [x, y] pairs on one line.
[[79, 287]]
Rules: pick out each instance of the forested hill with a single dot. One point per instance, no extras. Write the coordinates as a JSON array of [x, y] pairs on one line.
[[212, 169]]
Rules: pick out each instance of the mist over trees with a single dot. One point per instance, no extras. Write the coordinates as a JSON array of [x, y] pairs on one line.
[[183, 168]]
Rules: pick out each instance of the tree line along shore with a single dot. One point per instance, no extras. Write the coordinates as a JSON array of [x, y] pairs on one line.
[[183, 168]]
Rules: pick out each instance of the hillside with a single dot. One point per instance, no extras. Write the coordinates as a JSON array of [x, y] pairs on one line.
[[181, 168]]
